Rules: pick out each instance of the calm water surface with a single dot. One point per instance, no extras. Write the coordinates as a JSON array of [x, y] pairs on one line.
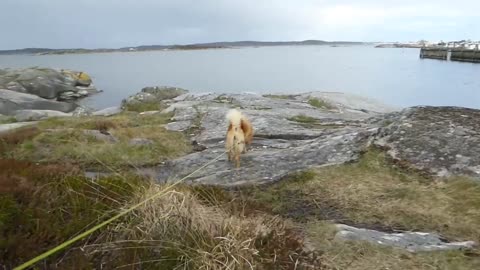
[[395, 76]]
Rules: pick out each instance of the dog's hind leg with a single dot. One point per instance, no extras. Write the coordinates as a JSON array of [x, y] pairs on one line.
[[237, 161]]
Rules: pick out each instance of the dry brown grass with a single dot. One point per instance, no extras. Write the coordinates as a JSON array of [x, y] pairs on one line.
[[373, 194], [180, 230], [12, 139]]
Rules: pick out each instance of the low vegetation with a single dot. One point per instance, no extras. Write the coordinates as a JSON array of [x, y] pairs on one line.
[[184, 228], [311, 122], [45, 199], [302, 118], [374, 194], [144, 106], [99, 142], [321, 104], [7, 119]]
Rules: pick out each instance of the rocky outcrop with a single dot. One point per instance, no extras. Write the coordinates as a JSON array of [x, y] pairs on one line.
[[442, 141], [47, 83], [290, 135], [39, 87], [11, 101]]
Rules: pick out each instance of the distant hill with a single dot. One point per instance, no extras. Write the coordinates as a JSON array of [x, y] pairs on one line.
[[196, 46]]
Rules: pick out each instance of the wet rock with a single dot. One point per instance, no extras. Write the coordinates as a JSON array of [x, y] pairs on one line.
[[411, 241], [442, 141], [35, 115]]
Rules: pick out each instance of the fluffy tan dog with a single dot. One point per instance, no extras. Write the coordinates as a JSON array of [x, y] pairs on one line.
[[240, 132]]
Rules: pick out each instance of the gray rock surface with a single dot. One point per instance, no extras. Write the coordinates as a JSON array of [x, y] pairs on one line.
[[42, 82], [442, 141], [108, 111], [11, 101], [35, 115], [281, 144], [411, 241]]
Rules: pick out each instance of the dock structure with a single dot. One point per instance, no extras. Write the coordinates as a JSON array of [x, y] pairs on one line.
[[453, 52]]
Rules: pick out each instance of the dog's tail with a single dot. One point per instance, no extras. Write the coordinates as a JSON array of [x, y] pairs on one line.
[[234, 117]]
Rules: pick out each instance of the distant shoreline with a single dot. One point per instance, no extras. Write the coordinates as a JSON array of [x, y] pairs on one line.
[[199, 46]]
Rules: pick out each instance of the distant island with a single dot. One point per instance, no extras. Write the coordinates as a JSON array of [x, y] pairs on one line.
[[196, 46]]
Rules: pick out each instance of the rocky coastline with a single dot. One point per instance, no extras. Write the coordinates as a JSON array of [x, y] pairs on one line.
[[295, 134]]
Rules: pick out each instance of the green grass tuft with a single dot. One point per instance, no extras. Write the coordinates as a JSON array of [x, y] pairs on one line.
[[321, 104]]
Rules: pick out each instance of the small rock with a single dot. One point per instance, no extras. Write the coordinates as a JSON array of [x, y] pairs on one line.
[[82, 111], [149, 112], [108, 111]]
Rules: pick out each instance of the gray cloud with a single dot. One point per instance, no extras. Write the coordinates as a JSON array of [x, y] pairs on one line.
[[113, 23]]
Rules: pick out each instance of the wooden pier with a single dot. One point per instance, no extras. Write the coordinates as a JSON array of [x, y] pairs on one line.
[[451, 53]]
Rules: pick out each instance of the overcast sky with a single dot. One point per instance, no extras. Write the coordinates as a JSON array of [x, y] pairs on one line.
[[119, 23]]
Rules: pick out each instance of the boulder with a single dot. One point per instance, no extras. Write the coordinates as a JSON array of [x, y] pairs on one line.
[[35, 115], [441, 141], [80, 78], [11, 101], [42, 82], [45, 82]]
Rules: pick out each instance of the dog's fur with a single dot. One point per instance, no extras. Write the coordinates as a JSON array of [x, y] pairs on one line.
[[240, 133]]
